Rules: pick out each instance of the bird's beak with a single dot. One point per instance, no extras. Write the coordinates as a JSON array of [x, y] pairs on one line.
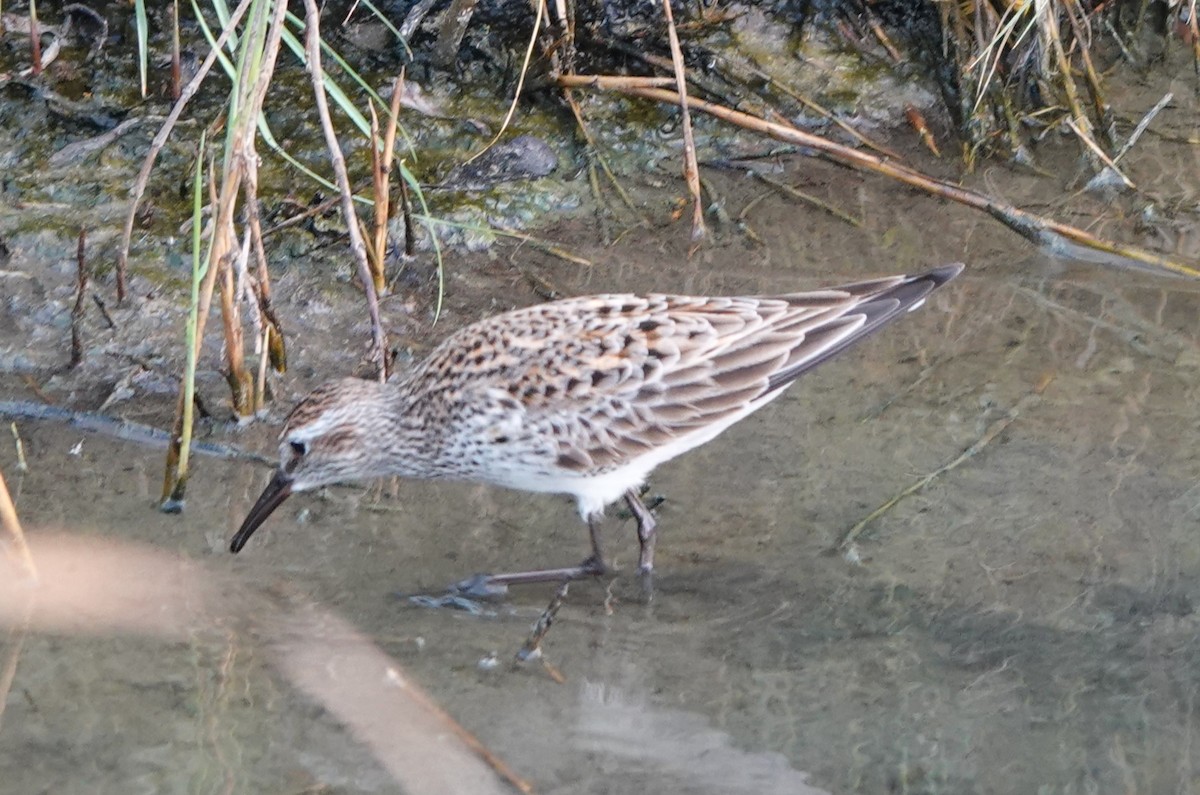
[[276, 492]]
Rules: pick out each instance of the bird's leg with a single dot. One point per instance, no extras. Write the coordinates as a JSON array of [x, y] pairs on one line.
[[492, 585], [646, 525], [596, 559]]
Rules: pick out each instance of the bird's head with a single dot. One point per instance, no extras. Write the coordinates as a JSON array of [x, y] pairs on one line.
[[328, 438]]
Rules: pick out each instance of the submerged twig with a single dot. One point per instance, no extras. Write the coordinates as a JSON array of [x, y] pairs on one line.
[[1143, 124], [542, 245], [595, 154], [1100, 154], [796, 193], [532, 648], [845, 544], [15, 645], [99, 302]]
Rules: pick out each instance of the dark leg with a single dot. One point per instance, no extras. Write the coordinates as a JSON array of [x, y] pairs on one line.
[[645, 527], [490, 585], [596, 560]]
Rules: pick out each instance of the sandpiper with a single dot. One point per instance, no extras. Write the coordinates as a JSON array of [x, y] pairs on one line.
[[583, 396]]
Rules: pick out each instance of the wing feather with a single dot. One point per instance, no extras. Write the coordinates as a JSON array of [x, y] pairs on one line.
[[612, 377]]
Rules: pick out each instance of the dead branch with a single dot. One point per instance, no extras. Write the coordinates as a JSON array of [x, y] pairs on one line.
[[1041, 231]]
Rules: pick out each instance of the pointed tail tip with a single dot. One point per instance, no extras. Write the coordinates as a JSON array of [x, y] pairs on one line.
[[943, 274]]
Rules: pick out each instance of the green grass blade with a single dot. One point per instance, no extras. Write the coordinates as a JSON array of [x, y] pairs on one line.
[[143, 40], [199, 268]]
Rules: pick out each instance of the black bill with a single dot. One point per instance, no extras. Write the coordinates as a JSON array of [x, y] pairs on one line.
[[276, 492]]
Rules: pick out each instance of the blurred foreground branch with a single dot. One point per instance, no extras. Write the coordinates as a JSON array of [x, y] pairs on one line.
[[99, 586]]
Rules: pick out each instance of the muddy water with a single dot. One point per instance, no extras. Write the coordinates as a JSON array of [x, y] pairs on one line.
[[1024, 623]]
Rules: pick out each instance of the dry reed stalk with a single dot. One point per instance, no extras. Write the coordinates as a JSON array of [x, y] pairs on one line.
[[1103, 113], [532, 648], [389, 159], [22, 464], [12, 524], [882, 37], [240, 171], [312, 40], [757, 71], [241, 158], [381, 168], [240, 380], [1052, 42], [617, 82], [376, 249], [1100, 154], [274, 347], [691, 170], [1143, 124]]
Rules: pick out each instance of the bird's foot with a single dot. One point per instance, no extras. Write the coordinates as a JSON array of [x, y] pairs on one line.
[[494, 586], [593, 566], [453, 601]]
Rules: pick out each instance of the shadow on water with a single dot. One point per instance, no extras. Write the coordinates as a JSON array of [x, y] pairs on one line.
[[1025, 623]]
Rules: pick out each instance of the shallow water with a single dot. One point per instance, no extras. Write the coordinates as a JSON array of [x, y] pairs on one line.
[[1024, 623]]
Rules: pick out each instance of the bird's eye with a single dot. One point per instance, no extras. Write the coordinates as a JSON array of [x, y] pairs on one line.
[[299, 448]]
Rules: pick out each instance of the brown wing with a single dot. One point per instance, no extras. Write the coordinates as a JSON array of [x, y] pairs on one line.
[[615, 376]]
